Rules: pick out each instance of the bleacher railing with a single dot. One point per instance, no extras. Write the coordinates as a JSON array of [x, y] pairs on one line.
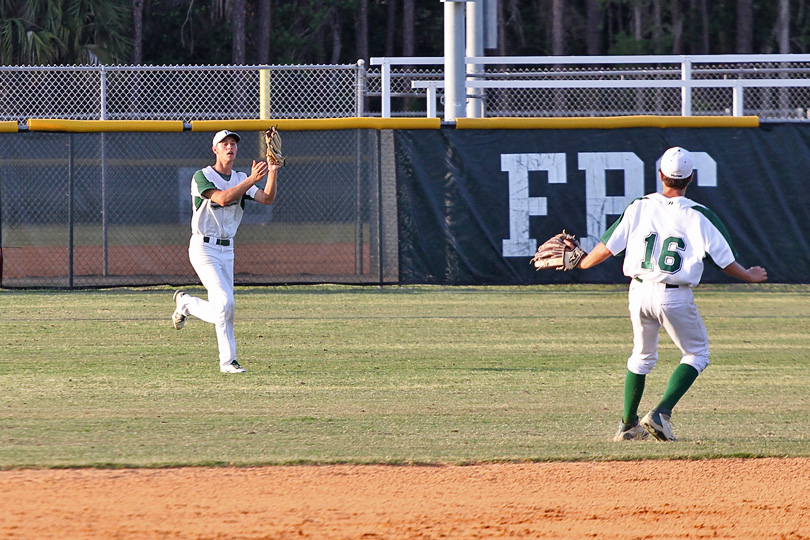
[[772, 87]]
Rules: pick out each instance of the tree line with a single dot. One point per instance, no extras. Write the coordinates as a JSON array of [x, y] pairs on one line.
[[249, 32]]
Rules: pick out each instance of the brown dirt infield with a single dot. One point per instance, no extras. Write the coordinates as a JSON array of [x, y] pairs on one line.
[[723, 498], [172, 260]]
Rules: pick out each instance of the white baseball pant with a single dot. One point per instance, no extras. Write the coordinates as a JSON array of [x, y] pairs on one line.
[[653, 305], [214, 267]]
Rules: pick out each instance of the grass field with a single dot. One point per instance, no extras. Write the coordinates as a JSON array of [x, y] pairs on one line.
[[394, 375]]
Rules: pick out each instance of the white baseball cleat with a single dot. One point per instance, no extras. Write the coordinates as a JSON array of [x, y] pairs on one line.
[[178, 319], [233, 367], [657, 424], [630, 432]]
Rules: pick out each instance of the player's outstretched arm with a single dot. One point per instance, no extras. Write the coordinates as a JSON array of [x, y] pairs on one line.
[[268, 194], [599, 254], [755, 274]]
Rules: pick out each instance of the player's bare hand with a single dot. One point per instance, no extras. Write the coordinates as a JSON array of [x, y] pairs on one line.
[[258, 170], [757, 274], [273, 167]]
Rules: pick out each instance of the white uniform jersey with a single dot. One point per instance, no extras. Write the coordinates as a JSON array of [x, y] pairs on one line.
[[666, 239], [209, 218]]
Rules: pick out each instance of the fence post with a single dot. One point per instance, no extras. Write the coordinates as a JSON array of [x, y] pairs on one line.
[[264, 94], [104, 210], [455, 75], [70, 210], [1, 232], [737, 100], [386, 88], [686, 89], [103, 97], [475, 47], [360, 89], [358, 202], [103, 142], [431, 101]]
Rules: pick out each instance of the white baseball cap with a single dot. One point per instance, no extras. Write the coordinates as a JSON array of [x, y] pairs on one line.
[[677, 163], [225, 133]]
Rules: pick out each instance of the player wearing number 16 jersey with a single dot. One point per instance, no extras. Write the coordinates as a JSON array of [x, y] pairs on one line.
[[665, 238]]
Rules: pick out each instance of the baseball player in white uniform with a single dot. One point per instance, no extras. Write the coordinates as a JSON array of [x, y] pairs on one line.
[[665, 237], [218, 195]]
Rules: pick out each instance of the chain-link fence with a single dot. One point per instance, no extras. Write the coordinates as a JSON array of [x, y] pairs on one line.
[[773, 87], [109, 209], [180, 92]]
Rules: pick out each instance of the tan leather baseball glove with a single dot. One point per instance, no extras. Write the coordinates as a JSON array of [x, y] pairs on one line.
[[557, 254], [272, 138]]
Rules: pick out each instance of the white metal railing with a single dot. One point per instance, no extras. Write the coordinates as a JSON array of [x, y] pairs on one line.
[[687, 73]]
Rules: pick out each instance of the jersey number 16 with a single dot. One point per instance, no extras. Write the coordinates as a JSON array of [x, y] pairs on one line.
[[669, 260]]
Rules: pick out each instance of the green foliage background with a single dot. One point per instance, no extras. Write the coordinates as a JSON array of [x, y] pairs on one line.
[[200, 32]]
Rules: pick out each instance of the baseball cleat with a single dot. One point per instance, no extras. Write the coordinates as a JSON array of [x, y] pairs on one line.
[[657, 424], [178, 319], [630, 432], [233, 367]]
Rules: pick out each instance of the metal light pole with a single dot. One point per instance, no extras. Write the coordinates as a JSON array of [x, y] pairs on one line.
[[475, 47], [454, 60]]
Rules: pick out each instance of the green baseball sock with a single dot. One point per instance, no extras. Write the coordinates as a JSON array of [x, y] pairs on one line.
[[633, 390], [680, 381]]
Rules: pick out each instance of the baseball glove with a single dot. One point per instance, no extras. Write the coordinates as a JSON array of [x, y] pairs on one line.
[[557, 254], [273, 140]]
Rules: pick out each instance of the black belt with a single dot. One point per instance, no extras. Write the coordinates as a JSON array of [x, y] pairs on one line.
[[668, 285], [217, 241]]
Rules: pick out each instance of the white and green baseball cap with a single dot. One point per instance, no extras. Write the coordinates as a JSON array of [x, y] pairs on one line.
[[677, 163], [225, 133]]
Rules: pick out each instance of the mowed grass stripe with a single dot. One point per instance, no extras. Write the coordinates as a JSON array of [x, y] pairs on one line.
[[392, 375]]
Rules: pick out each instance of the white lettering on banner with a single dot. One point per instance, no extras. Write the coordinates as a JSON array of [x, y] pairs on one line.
[[598, 205], [521, 205]]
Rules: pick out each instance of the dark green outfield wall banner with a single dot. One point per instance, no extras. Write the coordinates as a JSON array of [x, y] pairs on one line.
[[474, 204]]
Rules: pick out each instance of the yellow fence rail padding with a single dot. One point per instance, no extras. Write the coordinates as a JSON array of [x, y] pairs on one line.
[[101, 126], [9, 126], [317, 124], [608, 122]]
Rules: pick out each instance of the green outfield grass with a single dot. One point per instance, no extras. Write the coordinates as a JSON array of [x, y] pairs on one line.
[[394, 375]]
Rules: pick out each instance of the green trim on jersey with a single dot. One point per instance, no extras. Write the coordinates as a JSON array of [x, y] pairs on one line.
[[609, 232], [712, 217], [204, 184]]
